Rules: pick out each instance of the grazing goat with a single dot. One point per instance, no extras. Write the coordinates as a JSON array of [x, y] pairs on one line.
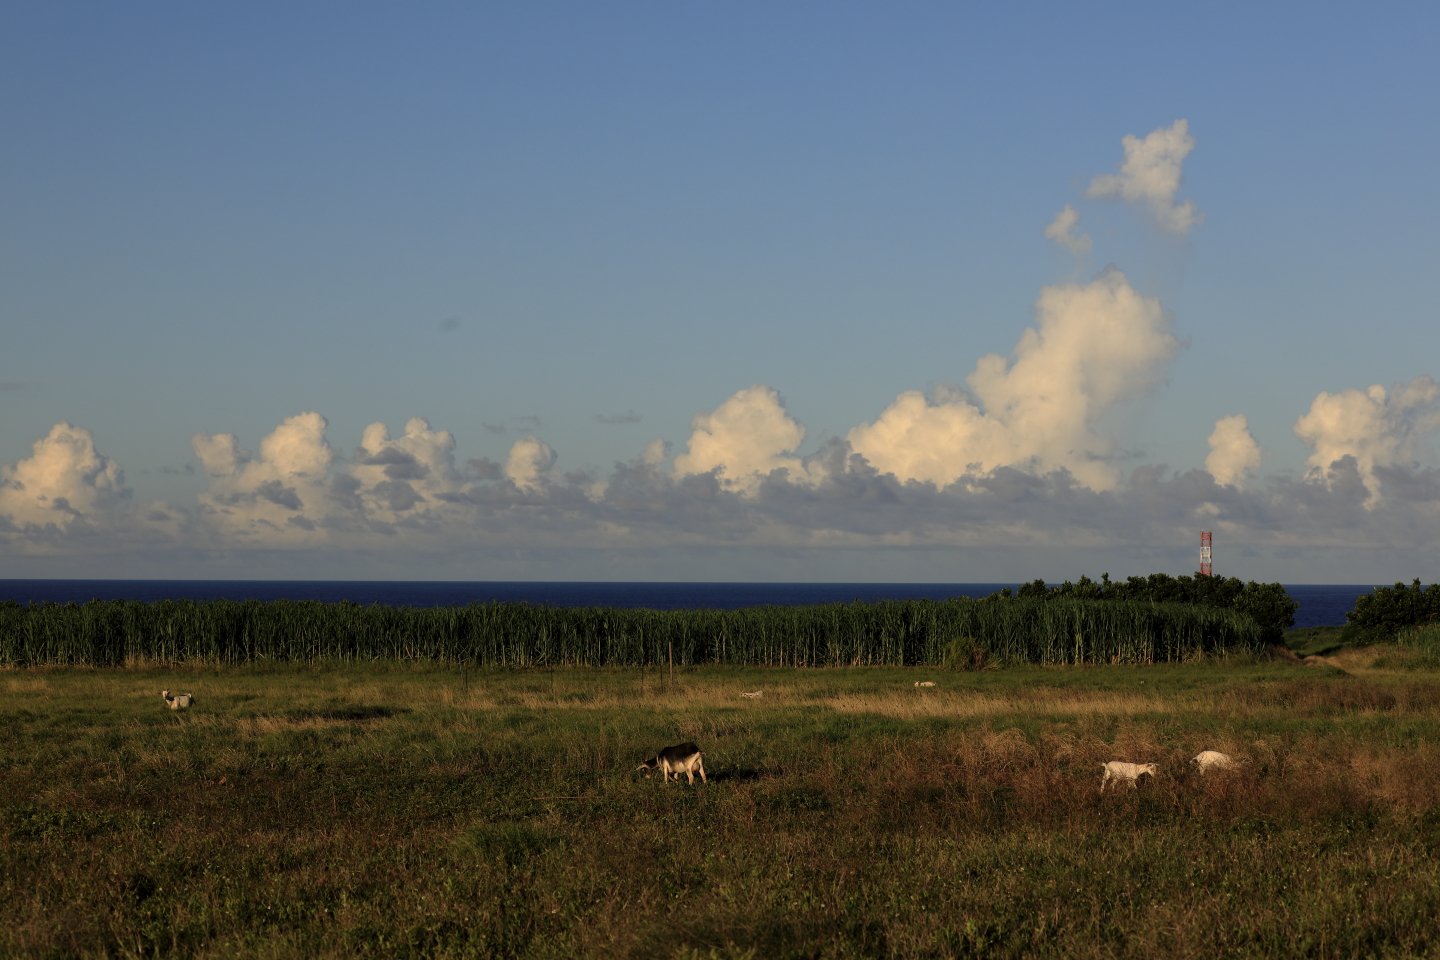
[[1208, 760], [1125, 773], [924, 683], [681, 758], [183, 701]]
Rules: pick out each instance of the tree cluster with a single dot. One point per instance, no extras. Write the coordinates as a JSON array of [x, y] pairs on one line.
[[1266, 603], [1387, 611]]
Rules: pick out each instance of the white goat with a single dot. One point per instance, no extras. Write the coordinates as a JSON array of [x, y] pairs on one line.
[[1126, 773], [752, 696], [924, 683], [183, 701], [681, 758], [1208, 760]]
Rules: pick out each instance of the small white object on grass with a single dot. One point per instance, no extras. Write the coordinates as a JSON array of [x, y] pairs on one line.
[[752, 696], [924, 683], [1126, 773], [1208, 760], [183, 701]]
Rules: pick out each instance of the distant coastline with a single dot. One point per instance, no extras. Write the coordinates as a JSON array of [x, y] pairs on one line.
[[1320, 604]]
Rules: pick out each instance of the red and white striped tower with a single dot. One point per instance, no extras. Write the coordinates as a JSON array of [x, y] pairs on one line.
[[1204, 553]]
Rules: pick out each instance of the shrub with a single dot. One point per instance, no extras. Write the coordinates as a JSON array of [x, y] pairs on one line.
[[965, 653], [1424, 641], [1383, 614], [1266, 603]]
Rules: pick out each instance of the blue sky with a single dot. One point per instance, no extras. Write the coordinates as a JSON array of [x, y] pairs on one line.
[[589, 224]]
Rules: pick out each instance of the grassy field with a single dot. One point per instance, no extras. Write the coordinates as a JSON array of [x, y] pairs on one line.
[[398, 811]]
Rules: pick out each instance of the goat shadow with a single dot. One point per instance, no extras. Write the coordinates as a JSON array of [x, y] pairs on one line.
[[740, 775], [349, 712]]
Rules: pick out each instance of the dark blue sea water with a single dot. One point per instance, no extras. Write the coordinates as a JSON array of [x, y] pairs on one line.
[[1320, 604]]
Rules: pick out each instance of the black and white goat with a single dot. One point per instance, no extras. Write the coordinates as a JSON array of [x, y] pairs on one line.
[[183, 701], [681, 758]]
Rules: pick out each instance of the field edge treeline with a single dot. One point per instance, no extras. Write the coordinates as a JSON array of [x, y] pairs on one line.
[[1054, 630], [1268, 604]]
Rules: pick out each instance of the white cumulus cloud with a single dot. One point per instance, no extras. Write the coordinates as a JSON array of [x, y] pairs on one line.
[[743, 440], [1233, 451], [529, 461], [395, 477], [1377, 428], [1151, 176], [1062, 231], [655, 452], [220, 455], [63, 480], [1094, 345], [281, 493]]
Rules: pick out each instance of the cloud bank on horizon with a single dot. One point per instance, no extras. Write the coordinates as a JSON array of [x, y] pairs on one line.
[[1027, 452]]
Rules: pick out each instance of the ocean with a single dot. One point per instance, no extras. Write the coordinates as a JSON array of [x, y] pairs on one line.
[[1320, 604]]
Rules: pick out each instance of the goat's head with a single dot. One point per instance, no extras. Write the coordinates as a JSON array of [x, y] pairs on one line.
[[649, 765]]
